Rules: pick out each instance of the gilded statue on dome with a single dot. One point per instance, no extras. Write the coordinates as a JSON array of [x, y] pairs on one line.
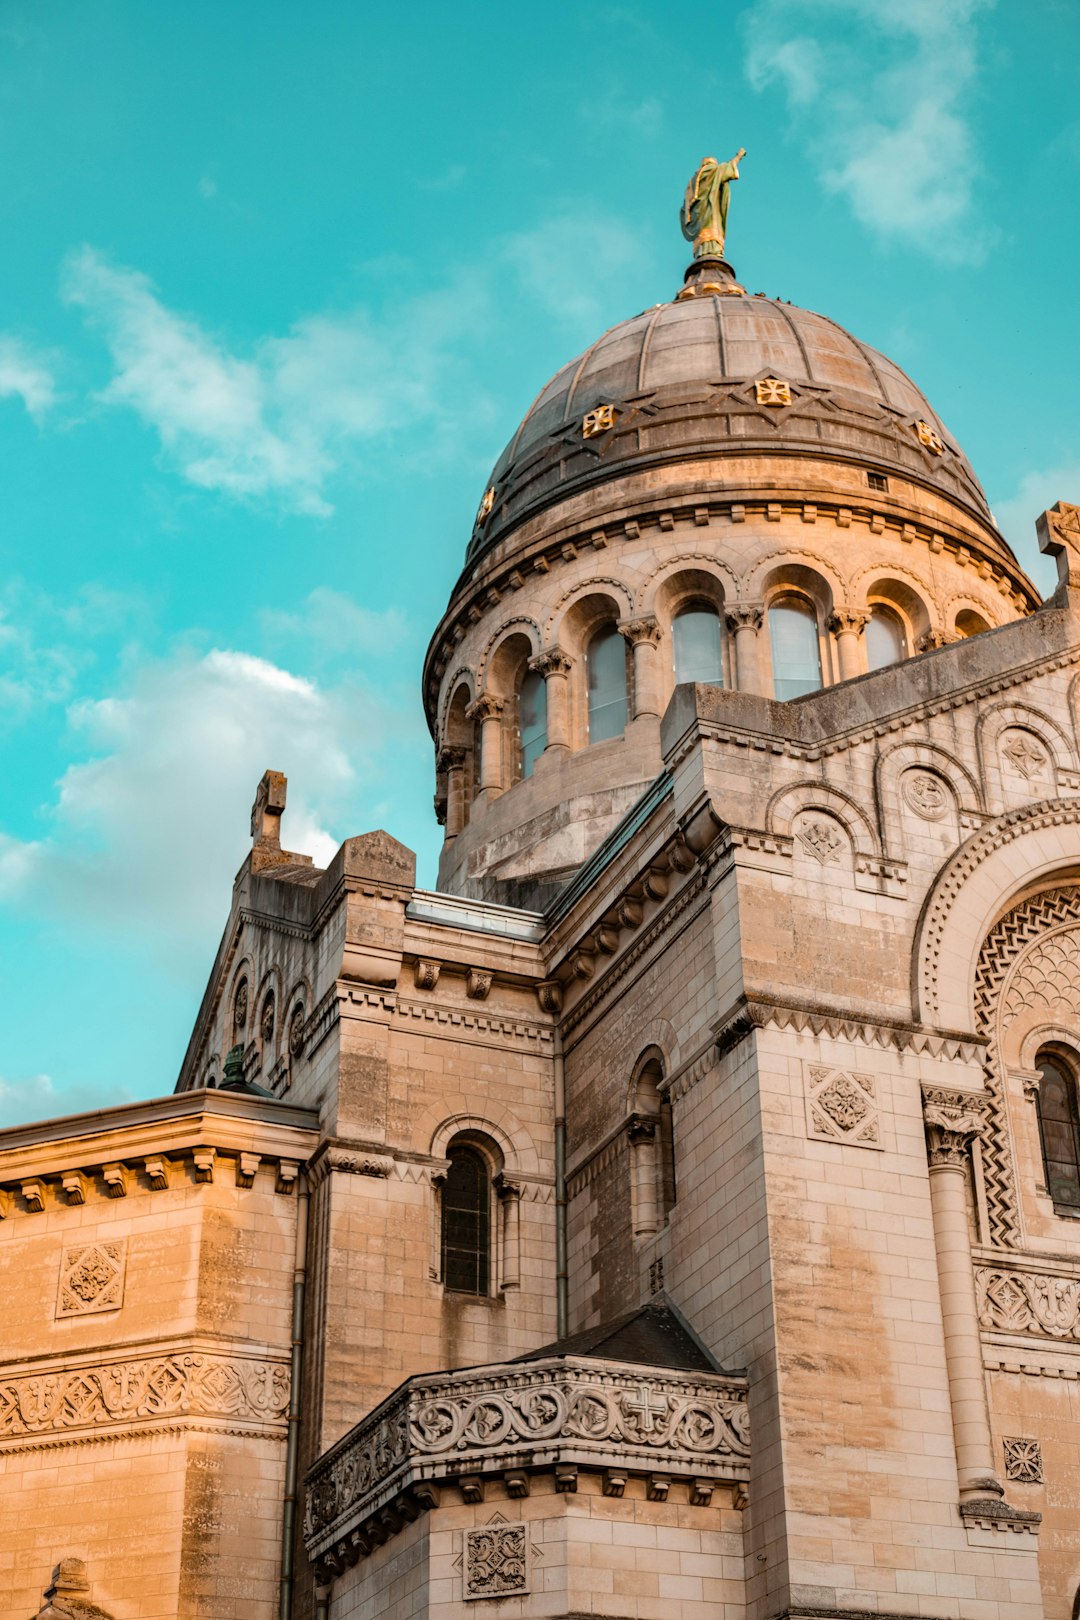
[[705, 206]]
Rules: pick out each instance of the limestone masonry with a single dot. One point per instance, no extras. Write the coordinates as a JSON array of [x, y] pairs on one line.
[[676, 1214]]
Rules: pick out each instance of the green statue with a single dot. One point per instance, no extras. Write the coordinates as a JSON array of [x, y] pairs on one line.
[[705, 206]]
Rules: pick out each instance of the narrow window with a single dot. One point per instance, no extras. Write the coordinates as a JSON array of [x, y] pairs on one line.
[[698, 654], [466, 1221], [1059, 1131], [606, 662], [877, 481], [667, 1158], [796, 657], [886, 642], [532, 720]]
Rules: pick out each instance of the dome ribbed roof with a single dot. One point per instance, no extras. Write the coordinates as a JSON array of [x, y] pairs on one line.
[[681, 377]]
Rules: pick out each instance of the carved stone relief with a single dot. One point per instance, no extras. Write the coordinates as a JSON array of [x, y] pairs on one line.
[[924, 793], [91, 1279], [496, 1561], [1023, 756], [841, 1106], [821, 838], [172, 1385], [1023, 1460], [1028, 1302], [1047, 977]]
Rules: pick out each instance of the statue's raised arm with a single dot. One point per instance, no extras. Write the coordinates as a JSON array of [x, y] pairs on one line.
[[705, 206]]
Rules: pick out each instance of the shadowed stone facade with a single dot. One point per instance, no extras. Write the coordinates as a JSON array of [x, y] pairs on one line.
[[754, 1023]]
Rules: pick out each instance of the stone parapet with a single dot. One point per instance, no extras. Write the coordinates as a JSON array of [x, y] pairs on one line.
[[556, 1415]]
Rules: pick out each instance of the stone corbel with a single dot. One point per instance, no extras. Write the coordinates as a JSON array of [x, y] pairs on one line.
[[549, 994], [203, 1160], [74, 1185], [33, 1191], [116, 1179], [246, 1166], [427, 975], [478, 983], [288, 1171], [157, 1173]]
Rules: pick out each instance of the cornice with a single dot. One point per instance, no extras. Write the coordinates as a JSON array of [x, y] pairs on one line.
[[753, 1012]]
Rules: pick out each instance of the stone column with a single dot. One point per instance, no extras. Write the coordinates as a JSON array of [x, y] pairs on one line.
[[642, 1134], [451, 765], [509, 1192], [847, 625], [744, 621], [488, 709], [643, 636], [554, 666], [952, 1120]]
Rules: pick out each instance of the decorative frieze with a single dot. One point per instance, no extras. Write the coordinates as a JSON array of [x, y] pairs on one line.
[[170, 1385], [1012, 1301], [559, 1413]]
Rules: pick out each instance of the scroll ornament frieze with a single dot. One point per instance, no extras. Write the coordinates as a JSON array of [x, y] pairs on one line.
[[175, 1385], [1028, 1302], [451, 1425]]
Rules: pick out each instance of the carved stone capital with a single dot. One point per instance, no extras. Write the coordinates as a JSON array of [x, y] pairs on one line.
[[507, 1186], [551, 662], [486, 707], [952, 1119], [745, 616], [449, 759], [641, 1128], [936, 637], [848, 621], [639, 630]]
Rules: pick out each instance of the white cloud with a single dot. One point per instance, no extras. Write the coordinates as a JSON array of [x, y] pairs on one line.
[[331, 623], [569, 263], [276, 424], [147, 833], [37, 1096], [878, 94], [25, 376]]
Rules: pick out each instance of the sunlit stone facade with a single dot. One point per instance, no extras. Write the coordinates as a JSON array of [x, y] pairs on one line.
[[676, 1213]]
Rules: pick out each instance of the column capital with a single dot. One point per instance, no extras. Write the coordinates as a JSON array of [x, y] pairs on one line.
[[952, 1120], [636, 631], [745, 615], [936, 637], [848, 621], [552, 661], [507, 1185], [449, 759], [486, 707]]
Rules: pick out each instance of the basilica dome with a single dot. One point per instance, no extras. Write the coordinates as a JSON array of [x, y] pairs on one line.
[[682, 380]]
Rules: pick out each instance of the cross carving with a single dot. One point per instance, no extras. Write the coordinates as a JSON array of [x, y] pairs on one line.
[[647, 1404]]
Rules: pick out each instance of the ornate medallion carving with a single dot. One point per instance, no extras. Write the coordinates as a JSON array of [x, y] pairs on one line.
[[266, 1024], [600, 420], [496, 1561], [929, 438], [1023, 1460], [822, 840], [1027, 757], [841, 1106], [296, 1032], [772, 391], [240, 1005], [925, 794], [91, 1279]]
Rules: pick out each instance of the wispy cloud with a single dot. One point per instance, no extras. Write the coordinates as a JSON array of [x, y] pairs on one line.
[[149, 827], [274, 424], [878, 92], [1036, 492], [26, 376], [37, 1096]]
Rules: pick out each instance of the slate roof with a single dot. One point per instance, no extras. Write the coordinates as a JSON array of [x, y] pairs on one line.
[[652, 1336]]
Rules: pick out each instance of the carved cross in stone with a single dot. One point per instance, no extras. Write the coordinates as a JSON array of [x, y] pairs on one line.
[[1059, 536], [646, 1404], [268, 809]]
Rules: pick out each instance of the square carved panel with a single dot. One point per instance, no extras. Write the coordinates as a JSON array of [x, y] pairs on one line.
[[1023, 1460], [91, 1279], [496, 1562], [842, 1106]]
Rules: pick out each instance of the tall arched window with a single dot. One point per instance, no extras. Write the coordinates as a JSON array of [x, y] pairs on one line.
[[796, 656], [466, 1221], [1059, 1130], [652, 1147], [532, 720], [698, 649], [606, 666], [886, 641]]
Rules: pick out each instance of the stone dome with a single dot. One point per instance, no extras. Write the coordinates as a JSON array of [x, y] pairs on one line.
[[682, 380]]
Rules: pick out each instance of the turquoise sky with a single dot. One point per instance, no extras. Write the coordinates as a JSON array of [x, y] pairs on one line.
[[277, 283]]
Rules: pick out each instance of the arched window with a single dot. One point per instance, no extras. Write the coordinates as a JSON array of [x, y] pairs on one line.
[[606, 665], [1059, 1130], [886, 640], [652, 1147], [970, 624], [532, 720], [698, 651], [796, 656], [466, 1221]]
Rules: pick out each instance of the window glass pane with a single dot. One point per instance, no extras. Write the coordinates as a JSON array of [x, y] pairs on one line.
[[793, 635], [607, 685], [532, 720], [886, 642], [466, 1219], [1059, 1127], [696, 634]]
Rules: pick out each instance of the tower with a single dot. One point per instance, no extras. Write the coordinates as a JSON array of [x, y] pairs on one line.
[[674, 1213]]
